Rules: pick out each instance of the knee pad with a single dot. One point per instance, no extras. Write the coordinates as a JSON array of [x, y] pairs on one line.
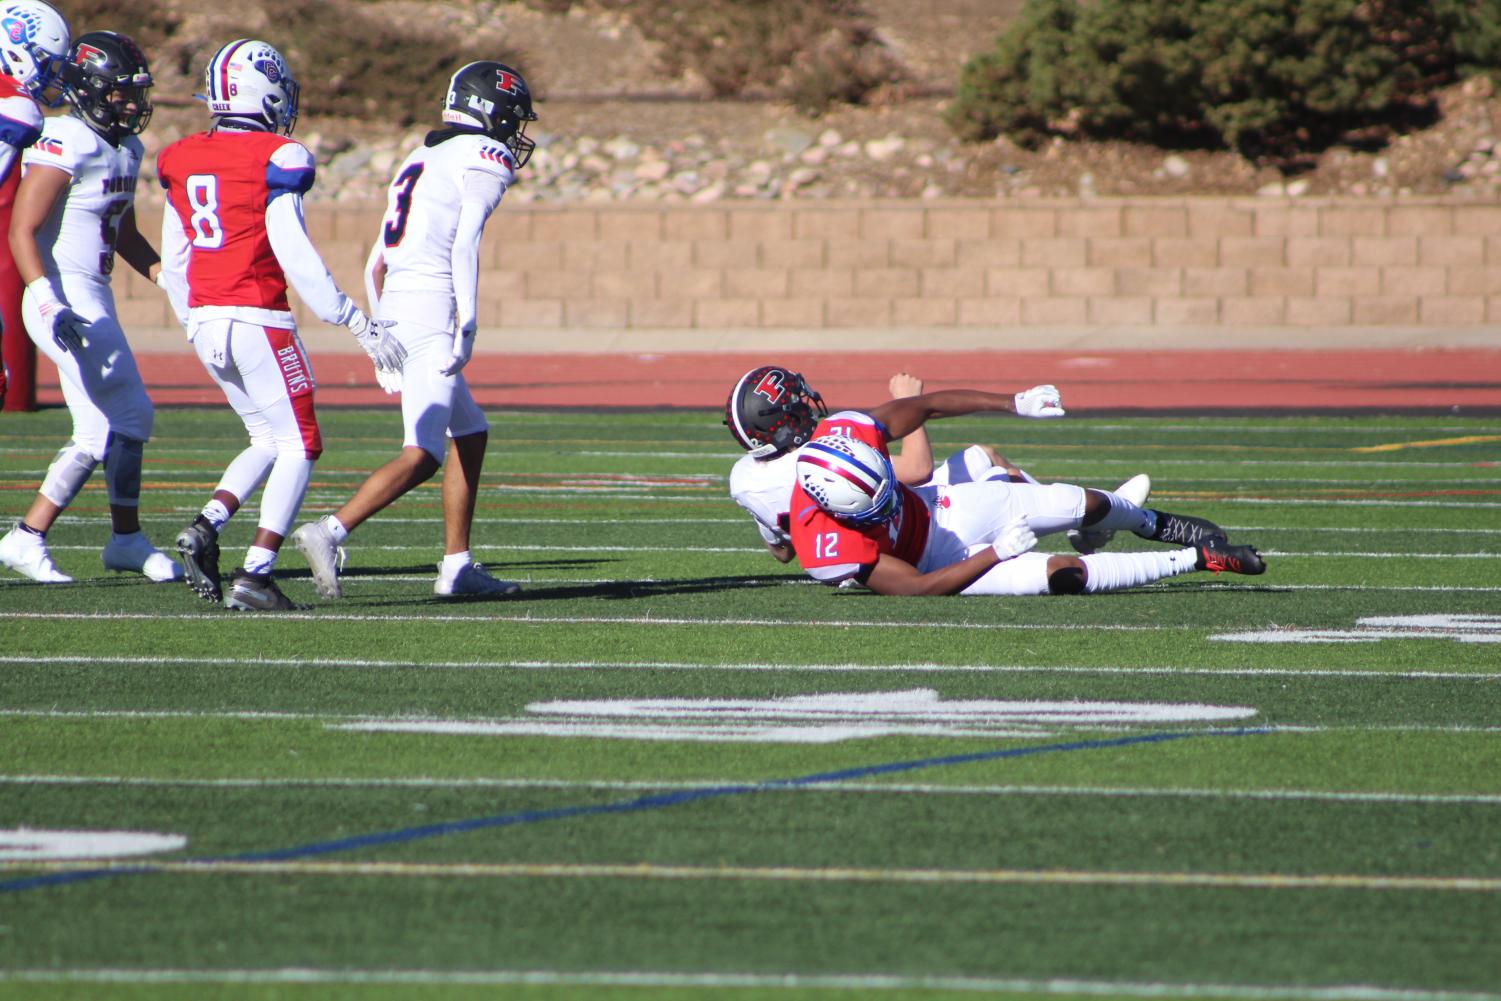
[[70, 470], [1067, 580], [122, 470]]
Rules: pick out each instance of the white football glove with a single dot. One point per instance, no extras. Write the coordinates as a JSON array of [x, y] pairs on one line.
[[388, 354], [1039, 401], [68, 327], [1016, 538], [463, 347]]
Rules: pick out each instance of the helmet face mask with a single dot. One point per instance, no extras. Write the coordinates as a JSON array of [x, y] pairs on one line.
[[493, 98], [771, 411], [248, 82], [34, 48], [109, 84], [849, 480]]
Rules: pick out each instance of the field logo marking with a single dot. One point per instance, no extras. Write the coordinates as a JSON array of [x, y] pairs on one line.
[[25, 844], [1461, 628], [809, 719]]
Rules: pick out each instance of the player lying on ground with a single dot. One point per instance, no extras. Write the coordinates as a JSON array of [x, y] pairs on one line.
[[772, 410], [852, 520], [233, 236], [422, 278], [74, 210]]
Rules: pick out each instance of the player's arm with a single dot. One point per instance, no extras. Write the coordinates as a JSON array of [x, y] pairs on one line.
[[913, 464], [300, 261], [132, 245], [902, 417], [40, 188], [895, 576], [375, 275], [483, 190], [172, 276]]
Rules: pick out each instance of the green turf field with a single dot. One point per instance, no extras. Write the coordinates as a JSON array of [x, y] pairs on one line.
[[672, 768]]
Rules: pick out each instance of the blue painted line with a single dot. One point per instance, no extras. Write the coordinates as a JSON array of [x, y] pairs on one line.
[[657, 801]]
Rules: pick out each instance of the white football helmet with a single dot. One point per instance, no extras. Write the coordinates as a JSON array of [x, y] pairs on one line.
[[249, 80], [34, 40], [849, 479]]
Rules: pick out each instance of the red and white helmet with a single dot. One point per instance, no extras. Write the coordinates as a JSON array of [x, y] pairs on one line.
[[249, 80], [849, 479], [34, 41]]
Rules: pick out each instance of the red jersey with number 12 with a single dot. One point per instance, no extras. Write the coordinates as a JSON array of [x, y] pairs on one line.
[[823, 541], [219, 184]]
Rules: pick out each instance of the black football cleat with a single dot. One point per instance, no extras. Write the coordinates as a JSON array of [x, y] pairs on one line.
[[1185, 530], [1219, 556], [198, 545]]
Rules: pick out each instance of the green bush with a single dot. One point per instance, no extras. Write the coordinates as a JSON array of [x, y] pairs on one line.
[[1269, 78]]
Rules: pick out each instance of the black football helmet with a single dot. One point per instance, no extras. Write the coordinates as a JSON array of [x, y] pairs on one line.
[[771, 410], [495, 99], [108, 83]]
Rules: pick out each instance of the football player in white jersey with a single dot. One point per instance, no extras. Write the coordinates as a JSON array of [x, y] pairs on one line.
[[34, 41], [422, 278], [74, 211], [771, 407]]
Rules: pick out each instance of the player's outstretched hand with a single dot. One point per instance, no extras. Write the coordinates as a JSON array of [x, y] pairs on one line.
[[1039, 401], [463, 348], [904, 385], [1016, 538]]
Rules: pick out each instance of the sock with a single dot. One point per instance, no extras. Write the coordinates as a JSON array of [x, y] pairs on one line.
[[1149, 529], [215, 515], [1124, 514], [1116, 571], [122, 536], [259, 560], [454, 562], [40, 534], [336, 529]]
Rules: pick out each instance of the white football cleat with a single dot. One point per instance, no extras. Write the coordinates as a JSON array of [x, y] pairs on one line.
[[472, 578], [324, 557], [1136, 490], [134, 553], [27, 555]]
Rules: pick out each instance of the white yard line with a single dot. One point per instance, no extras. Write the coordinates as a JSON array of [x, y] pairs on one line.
[[790, 874], [643, 785], [763, 981], [693, 666]]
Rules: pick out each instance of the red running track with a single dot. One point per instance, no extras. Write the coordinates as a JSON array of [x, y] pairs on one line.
[[1437, 380]]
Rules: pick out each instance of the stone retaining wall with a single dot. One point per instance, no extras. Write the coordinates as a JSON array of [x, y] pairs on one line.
[[1232, 264]]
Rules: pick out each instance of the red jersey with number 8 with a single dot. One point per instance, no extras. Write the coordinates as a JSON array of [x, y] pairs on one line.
[[219, 184]]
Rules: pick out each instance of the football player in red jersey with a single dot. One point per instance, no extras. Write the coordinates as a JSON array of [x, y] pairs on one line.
[[233, 236], [771, 411], [34, 41], [850, 518]]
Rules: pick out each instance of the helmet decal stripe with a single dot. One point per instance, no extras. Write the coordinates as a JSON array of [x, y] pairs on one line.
[[843, 458], [841, 471], [224, 59]]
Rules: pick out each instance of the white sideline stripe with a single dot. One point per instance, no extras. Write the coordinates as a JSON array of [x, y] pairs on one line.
[[575, 620], [1269, 795], [762, 981], [788, 874], [335, 720], [505, 547], [605, 665]]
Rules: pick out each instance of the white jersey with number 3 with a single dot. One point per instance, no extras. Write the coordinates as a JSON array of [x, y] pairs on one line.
[[422, 208], [78, 238]]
